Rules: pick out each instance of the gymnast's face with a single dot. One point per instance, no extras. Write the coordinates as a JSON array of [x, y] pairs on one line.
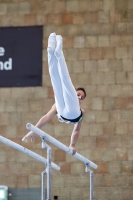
[[80, 95]]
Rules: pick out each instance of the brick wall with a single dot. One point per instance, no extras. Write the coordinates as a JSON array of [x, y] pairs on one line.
[[98, 47]]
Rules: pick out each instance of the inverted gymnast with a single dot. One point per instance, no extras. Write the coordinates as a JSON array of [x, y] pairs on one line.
[[67, 98]]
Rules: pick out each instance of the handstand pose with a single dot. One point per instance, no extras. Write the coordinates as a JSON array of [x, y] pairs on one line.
[[67, 99]]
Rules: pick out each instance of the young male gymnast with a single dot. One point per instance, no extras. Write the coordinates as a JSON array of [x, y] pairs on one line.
[[67, 98]]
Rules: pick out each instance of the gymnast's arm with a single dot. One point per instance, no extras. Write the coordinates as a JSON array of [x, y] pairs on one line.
[[75, 135], [42, 122]]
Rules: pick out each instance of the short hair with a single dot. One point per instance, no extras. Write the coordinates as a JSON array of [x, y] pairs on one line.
[[81, 88]]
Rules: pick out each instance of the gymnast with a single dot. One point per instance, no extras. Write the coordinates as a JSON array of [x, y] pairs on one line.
[[67, 98]]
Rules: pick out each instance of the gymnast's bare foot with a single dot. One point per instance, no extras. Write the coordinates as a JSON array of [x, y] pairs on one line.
[[51, 43], [28, 135], [59, 45]]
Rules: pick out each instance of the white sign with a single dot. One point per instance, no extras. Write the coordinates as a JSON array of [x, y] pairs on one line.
[[7, 65], [2, 51]]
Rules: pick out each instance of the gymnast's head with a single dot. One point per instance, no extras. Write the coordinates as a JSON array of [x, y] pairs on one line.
[[81, 93]]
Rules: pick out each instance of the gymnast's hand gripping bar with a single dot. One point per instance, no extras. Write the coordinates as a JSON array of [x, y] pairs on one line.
[[57, 143], [27, 151]]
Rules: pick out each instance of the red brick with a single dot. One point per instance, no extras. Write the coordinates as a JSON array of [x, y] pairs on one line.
[[30, 19], [65, 168], [41, 19], [50, 92], [96, 53], [101, 141], [109, 53], [59, 6], [67, 42], [54, 19], [115, 16], [121, 103], [130, 128], [102, 168], [130, 103], [22, 182], [109, 180], [115, 141], [2, 129], [45, 67], [91, 17], [67, 18], [45, 44], [59, 155], [17, 140], [78, 18], [109, 128], [84, 54], [90, 142], [37, 166]]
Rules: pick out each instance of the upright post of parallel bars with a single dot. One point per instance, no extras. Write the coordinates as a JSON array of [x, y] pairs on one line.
[[91, 183], [49, 174], [48, 170], [43, 194]]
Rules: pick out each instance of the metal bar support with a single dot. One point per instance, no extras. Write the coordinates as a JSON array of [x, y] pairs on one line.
[[91, 183], [48, 169], [43, 195]]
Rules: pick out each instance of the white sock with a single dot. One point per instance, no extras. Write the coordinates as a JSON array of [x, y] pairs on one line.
[[51, 42], [59, 45]]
